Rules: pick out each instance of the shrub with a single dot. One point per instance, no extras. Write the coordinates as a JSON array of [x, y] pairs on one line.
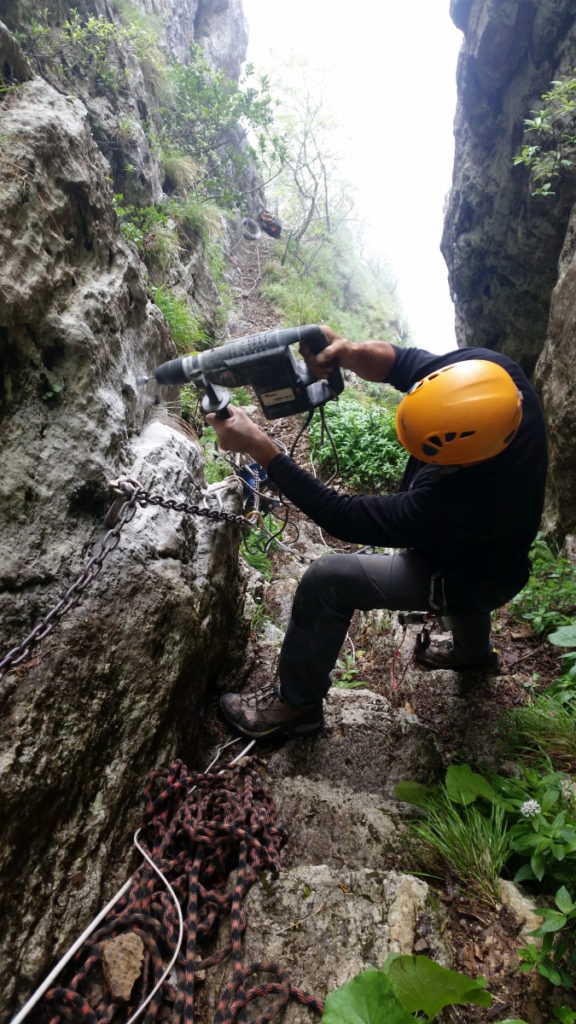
[[369, 455], [549, 150], [549, 598]]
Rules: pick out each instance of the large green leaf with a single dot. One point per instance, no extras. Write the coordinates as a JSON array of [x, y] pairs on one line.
[[414, 793], [565, 636], [425, 986], [369, 998], [465, 786]]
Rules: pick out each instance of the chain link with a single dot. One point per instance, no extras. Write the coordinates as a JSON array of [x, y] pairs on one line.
[[135, 495], [145, 498]]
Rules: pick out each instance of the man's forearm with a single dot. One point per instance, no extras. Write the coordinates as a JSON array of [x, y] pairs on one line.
[[371, 360], [263, 449], [238, 433]]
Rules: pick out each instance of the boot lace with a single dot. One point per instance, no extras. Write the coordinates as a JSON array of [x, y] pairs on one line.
[[264, 695]]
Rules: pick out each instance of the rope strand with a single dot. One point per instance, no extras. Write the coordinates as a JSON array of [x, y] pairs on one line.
[[197, 829]]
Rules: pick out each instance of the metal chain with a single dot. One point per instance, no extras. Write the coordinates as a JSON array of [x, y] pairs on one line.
[[135, 495], [145, 498]]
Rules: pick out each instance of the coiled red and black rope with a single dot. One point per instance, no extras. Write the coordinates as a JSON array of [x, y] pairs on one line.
[[198, 828]]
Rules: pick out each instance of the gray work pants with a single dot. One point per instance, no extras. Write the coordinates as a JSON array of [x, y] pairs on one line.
[[331, 589]]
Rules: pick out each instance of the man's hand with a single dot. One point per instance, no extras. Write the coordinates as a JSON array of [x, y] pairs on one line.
[[371, 360], [238, 433], [338, 350]]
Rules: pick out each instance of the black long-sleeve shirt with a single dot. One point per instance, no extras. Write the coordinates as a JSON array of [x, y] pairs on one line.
[[476, 523]]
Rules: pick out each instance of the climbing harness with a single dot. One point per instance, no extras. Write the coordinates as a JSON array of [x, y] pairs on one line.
[[198, 829]]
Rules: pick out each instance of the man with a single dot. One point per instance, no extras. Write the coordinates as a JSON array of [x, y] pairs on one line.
[[463, 521]]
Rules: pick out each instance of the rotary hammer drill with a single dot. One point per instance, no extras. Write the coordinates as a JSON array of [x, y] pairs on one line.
[[283, 383]]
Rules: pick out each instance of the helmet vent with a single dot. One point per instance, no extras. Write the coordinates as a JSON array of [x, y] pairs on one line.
[[434, 444]]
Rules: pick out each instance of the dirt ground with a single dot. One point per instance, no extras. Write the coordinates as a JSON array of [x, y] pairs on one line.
[[484, 939]]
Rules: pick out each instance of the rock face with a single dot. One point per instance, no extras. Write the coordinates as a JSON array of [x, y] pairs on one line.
[[120, 684], [218, 26], [501, 243], [556, 380], [222, 33], [338, 905], [509, 252]]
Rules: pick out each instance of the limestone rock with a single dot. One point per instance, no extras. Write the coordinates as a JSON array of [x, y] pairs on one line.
[[222, 33], [501, 243], [122, 963], [522, 907], [121, 682], [338, 891], [14, 67], [367, 745], [324, 926], [556, 380]]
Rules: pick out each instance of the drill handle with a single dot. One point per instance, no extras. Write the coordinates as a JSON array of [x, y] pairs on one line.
[[316, 340], [215, 400]]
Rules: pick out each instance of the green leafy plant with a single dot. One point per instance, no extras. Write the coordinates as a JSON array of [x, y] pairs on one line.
[[534, 814], [201, 111], [346, 672], [545, 836], [480, 825], [540, 814], [564, 1014], [141, 224], [406, 988], [242, 396], [94, 40], [157, 231], [50, 390], [216, 469], [369, 453], [565, 636], [549, 598], [92, 45], [555, 956], [549, 152]]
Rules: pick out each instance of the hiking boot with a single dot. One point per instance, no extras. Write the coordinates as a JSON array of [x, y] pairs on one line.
[[265, 713], [436, 656]]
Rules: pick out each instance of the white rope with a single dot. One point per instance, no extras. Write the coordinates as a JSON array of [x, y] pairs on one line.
[[159, 983]]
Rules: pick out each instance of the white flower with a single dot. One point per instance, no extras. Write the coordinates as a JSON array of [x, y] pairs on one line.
[[530, 808]]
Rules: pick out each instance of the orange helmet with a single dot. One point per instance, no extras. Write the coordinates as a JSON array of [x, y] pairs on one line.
[[465, 412]]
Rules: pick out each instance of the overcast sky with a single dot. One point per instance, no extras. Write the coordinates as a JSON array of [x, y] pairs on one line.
[[389, 71]]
